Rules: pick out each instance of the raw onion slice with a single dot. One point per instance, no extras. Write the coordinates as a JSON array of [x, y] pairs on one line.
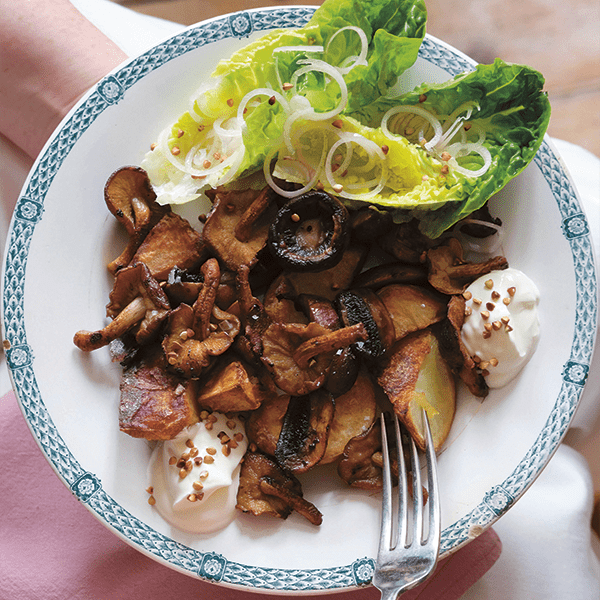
[[456, 122], [316, 171], [290, 193], [315, 49], [361, 59], [260, 92], [419, 111], [303, 109], [163, 144], [373, 150], [229, 129], [488, 245], [322, 67], [458, 149]]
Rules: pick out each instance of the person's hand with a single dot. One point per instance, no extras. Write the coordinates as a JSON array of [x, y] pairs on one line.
[[50, 55]]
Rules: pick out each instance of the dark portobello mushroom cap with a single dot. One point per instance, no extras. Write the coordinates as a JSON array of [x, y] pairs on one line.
[[310, 232]]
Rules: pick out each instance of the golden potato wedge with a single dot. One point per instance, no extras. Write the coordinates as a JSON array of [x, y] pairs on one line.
[[415, 376], [232, 388], [354, 414], [412, 307], [172, 242], [155, 404]]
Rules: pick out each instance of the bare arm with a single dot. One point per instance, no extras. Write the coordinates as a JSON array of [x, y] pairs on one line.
[[49, 56]]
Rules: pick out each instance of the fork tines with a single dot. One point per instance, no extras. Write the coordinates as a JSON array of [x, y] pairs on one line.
[[409, 555]]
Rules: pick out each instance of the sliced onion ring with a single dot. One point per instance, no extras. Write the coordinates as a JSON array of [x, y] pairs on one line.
[[372, 149], [259, 92], [416, 110], [458, 149], [361, 59]]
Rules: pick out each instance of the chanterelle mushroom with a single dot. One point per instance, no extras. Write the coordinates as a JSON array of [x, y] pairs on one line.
[[198, 333], [450, 274], [135, 300], [130, 198]]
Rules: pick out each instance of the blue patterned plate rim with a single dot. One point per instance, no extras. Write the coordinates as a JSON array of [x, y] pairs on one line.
[[86, 486]]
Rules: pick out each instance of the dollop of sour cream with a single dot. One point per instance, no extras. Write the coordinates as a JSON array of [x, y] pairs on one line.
[[501, 328], [194, 477]]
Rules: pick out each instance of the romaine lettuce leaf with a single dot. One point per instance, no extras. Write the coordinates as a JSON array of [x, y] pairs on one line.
[[393, 27], [514, 113]]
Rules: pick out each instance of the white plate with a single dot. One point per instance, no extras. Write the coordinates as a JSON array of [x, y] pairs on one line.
[[55, 283]]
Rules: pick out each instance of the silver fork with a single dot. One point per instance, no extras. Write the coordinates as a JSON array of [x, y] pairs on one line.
[[406, 559]]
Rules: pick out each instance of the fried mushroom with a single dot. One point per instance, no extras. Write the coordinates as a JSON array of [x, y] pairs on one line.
[[247, 213], [450, 274], [305, 430], [266, 489], [135, 300], [129, 196], [299, 356], [455, 352], [197, 334]]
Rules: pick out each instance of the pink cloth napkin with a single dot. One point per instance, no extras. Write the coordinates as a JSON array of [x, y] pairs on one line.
[[52, 548]]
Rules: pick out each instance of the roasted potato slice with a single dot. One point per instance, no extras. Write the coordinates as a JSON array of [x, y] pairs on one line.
[[232, 387], [416, 377], [412, 307], [172, 242], [354, 414], [155, 404]]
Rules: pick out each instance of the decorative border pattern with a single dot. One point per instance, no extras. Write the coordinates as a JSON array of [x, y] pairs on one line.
[[86, 486]]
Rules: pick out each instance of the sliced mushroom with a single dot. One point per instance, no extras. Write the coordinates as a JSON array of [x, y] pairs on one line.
[[354, 413], [130, 198], [230, 213], [455, 352], [406, 243], [370, 224], [183, 286], [356, 467], [364, 306], [309, 511], [298, 363], [264, 424], [345, 363], [450, 274], [330, 282], [388, 274], [254, 319], [266, 489], [280, 302], [310, 232], [188, 356], [135, 300], [305, 429]]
